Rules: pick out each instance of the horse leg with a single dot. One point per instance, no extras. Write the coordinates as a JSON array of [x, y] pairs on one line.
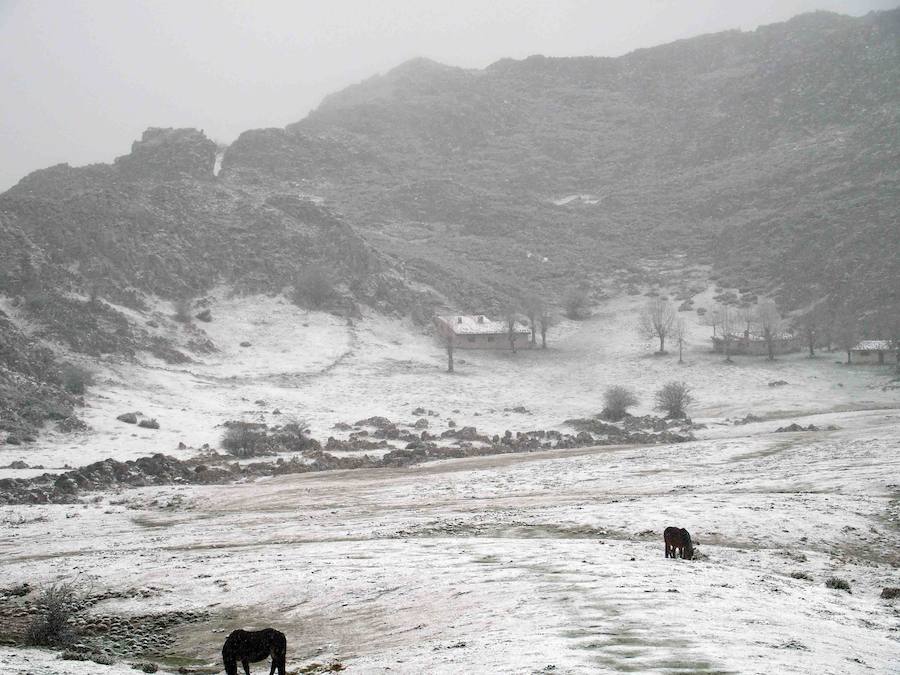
[[246, 665], [667, 550], [230, 666]]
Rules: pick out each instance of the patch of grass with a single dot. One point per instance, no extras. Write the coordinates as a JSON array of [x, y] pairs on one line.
[[76, 379], [837, 584], [51, 627], [801, 575]]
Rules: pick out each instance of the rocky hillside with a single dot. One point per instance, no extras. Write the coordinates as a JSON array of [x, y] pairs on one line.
[[80, 245], [773, 154]]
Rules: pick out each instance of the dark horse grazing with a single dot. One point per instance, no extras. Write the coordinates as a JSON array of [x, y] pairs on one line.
[[252, 646], [678, 539]]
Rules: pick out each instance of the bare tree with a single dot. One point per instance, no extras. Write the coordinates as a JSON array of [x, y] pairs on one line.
[[446, 334], [889, 320], [511, 335], [656, 321], [811, 325], [769, 324], [449, 343], [534, 306], [744, 318], [723, 319], [846, 329], [545, 320], [679, 334]]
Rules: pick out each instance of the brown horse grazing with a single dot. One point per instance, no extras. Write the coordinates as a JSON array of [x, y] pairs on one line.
[[678, 540], [252, 646]]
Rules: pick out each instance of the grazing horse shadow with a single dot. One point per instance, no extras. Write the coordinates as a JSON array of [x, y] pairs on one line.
[[252, 646], [678, 541]]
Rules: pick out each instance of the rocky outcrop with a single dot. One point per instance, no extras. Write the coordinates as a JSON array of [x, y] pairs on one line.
[[169, 154]]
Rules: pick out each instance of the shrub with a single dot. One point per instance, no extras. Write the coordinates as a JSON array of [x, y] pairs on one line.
[[801, 575], [128, 418], [616, 401], [576, 304], [149, 424], [313, 287], [37, 301], [69, 655], [673, 399], [248, 439], [837, 583], [183, 310], [244, 439], [76, 379], [51, 627]]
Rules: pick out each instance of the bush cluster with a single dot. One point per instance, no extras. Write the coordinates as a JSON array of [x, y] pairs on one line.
[[250, 439], [52, 627], [616, 401], [76, 379], [673, 399]]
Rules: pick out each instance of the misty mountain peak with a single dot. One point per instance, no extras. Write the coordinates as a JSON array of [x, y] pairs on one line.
[[167, 153]]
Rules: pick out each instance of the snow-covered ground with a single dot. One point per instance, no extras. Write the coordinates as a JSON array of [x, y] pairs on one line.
[[541, 562], [517, 563], [322, 369]]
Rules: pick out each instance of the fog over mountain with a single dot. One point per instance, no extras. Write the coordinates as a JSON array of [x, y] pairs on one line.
[[366, 339], [81, 80]]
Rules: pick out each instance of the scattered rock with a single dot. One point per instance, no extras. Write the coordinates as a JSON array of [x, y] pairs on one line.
[[421, 423], [205, 315], [796, 427], [777, 383], [377, 422], [749, 419], [72, 424], [246, 344], [13, 440], [149, 424], [128, 418], [890, 592]]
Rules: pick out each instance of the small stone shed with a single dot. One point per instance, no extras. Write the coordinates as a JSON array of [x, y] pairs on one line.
[[874, 352], [476, 331]]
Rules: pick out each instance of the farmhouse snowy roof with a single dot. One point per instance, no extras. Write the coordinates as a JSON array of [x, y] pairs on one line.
[[873, 346], [479, 324]]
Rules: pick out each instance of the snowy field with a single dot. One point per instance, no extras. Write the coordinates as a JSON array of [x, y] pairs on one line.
[[536, 563], [315, 367]]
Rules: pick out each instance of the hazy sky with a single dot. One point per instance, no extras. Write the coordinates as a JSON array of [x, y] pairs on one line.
[[80, 80]]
